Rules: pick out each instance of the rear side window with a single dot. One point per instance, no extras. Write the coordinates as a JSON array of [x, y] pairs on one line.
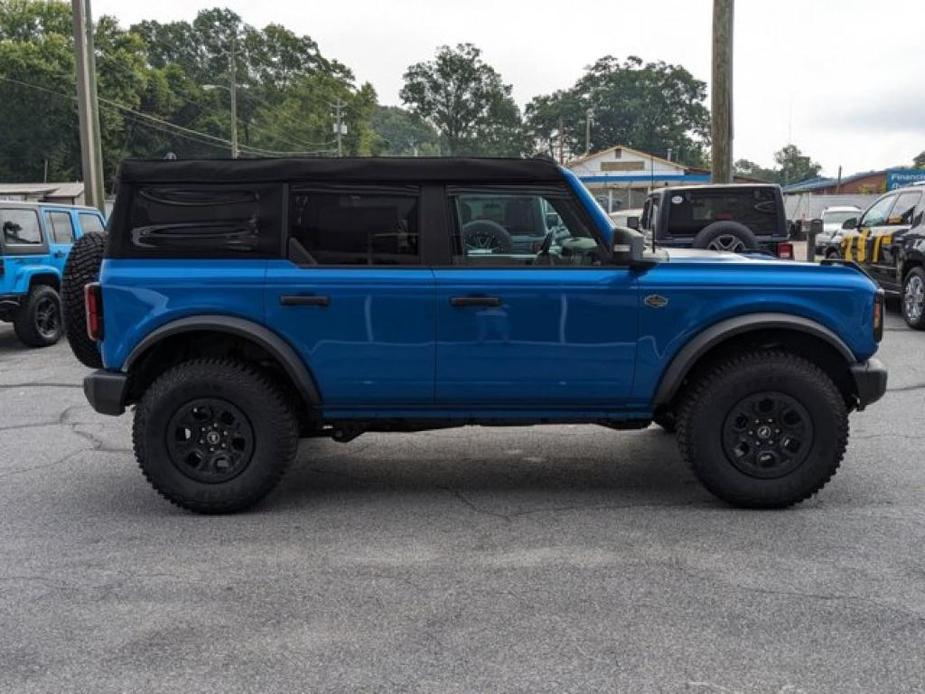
[[20, 227], [62, 228], [214, 221], [90, 222], [354, 227], [690, 211]]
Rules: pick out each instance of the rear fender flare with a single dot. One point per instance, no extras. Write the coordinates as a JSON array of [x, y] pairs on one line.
[[704, 341], [295, 368]]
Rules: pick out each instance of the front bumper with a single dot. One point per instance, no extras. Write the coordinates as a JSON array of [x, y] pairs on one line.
[[870, 380], [106, 390]]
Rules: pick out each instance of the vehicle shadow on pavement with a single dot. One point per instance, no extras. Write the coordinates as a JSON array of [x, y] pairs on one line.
[[519, 470]]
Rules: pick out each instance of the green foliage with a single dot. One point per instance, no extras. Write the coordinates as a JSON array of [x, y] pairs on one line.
[[792, 167], [919, 160], [465, 101], [401, 134], [648, 106]]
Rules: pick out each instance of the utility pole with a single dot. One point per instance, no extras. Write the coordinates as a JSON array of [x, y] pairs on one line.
[[721, 91], [233, 71], [91, 154], [588, 115], [338, 127]]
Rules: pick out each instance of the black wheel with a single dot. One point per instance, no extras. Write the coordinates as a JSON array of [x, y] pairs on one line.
[[913, 299], [486, 235], [765, 430], [732, 237], [82, 268], [214, 436], [667, 420], [38, 319]]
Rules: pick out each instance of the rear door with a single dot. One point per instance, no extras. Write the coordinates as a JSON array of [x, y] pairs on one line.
[[21, 244], [551, 328], [354, 295], [61, 233]]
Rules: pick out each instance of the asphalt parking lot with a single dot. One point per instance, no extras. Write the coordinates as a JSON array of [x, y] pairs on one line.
[[568, 558]]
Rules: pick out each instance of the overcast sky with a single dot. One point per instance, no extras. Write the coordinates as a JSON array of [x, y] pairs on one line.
[[842, 79]]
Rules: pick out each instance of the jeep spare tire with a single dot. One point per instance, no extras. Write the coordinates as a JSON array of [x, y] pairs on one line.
[[729, 236], [82, 268]]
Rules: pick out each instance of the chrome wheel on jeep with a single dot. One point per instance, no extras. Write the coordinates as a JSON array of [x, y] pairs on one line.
[[728, 243], [913, 303]]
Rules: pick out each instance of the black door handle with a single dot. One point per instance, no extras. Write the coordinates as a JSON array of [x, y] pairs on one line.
[[475, 301], [304, 300]]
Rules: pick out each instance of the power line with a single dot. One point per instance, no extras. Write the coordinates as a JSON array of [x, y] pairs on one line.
[[167, 124]]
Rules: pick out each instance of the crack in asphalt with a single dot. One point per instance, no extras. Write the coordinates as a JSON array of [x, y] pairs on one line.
[[904, 389], [10, 386]]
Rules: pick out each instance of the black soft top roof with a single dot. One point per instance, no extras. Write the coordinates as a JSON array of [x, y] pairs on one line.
[[354, 169]]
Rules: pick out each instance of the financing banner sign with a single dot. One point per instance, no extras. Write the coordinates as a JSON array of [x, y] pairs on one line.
[[897, 178]]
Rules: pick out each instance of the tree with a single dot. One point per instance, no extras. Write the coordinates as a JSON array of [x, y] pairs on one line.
[[744, 167], [400, 133], [794, 166], [919, 160], [653, 107], [466, 102]]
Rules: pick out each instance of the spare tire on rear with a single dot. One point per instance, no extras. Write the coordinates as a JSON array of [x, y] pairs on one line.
[[733, 237], [82, 268]]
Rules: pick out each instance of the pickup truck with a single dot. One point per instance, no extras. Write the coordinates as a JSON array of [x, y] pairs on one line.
[[241, 306]]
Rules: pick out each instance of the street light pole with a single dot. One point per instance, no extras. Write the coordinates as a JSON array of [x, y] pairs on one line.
[[91, 153]]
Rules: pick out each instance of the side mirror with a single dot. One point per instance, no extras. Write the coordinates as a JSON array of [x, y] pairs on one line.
[[850, 223], [629, 248], [552, 220], [633, 222]]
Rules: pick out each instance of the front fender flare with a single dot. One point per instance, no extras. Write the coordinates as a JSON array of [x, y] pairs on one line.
[[702, 342], [261, 335]]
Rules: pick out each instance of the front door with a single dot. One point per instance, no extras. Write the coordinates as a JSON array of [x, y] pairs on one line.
[[885, 254], [354, 298], [529, 314], [59, 228]]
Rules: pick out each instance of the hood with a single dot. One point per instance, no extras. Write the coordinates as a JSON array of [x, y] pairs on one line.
[[699, 255]]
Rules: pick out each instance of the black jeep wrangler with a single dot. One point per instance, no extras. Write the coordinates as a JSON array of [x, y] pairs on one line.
[[735, 218]]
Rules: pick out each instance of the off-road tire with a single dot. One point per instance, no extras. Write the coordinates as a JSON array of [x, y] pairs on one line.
[[916, 322], [263, 403], [714, 231], [82, 268], [710, 399], [26, 323]]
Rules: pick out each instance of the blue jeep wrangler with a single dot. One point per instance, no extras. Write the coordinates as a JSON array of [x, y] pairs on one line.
[[243, 305], [34, 242]]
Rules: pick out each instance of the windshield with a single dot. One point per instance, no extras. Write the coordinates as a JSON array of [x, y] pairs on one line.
[[838, 217]]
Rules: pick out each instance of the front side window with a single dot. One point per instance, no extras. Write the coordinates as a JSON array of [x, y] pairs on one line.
[[62, 229], [877, 214], [355, 227], [20, 227], [514, 228], [90, 222], [905, 209]]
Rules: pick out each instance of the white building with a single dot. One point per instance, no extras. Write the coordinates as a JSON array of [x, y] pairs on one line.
[[621, 177]]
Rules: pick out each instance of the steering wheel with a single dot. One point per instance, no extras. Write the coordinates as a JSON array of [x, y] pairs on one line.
[[486, 235]]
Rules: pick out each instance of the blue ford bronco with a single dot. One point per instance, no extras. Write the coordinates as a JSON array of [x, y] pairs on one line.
[[34, 242], [243, 305]]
